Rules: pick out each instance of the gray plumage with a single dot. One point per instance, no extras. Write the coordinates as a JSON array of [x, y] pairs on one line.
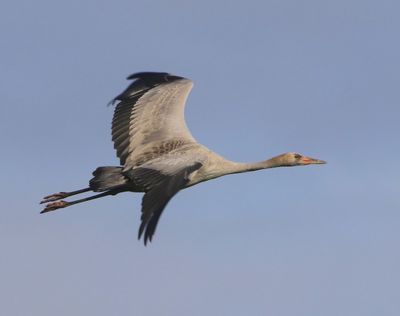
[[158, 154]]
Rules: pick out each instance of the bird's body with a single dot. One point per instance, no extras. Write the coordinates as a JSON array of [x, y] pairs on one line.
[[158, 154]]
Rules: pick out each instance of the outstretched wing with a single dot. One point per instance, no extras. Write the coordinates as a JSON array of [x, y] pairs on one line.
[[160, 188], [149, 119]]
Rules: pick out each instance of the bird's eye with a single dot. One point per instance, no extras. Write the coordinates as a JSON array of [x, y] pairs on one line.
[[297, 156]]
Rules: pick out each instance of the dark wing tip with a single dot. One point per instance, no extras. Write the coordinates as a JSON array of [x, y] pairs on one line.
[[148, 75], [141, 229], [151, 77], [148, 226], [144, 81], [148, 233]]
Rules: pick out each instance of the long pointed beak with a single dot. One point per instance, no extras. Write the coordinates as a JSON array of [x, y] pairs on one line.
[[311, 161]]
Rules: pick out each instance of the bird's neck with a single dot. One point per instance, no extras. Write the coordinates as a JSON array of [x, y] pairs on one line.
[[221, 167], [275, 162]]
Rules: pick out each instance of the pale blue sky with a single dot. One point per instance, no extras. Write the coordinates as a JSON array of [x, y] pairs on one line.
[[317, 77]]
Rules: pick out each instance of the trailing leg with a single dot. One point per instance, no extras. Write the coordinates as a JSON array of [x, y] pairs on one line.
[[61, 204], [62, 195], [109, 180]]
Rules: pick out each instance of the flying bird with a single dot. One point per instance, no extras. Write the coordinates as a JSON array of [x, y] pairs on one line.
[[158, 154]]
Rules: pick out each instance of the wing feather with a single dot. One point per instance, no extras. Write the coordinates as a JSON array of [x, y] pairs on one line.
[[150, 115], [160, 189]]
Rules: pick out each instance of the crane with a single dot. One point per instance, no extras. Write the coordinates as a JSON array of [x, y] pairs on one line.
[[158, 154]]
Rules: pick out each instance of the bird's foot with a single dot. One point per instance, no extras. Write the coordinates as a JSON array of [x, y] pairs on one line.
[[54, 206], [54, 197]]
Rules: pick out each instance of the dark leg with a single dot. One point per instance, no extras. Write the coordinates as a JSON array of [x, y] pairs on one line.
[[60, 204], [62, 195]]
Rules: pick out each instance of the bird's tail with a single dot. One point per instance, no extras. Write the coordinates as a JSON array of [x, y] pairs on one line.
[[107, 178]]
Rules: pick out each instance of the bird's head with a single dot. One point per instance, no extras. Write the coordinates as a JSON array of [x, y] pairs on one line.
[[295, 159]]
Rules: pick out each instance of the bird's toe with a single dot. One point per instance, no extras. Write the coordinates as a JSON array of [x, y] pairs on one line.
[[54, 197], [54, 206]]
